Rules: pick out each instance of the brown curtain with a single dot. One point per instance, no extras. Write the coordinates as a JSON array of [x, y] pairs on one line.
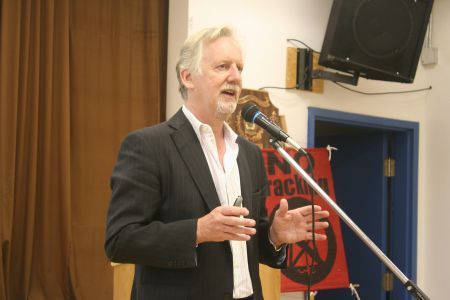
[[75, 77]]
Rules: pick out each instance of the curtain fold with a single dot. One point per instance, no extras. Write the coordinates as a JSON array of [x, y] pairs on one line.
[[35, 148], [118, 51], [75, 77]]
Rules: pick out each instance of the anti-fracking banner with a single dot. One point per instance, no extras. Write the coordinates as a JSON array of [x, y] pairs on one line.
[[329, 270]]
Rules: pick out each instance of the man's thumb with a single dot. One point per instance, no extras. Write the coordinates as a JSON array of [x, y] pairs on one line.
[[283, 208]]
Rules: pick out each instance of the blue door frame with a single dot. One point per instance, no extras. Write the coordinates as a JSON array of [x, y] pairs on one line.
[[408, 133]]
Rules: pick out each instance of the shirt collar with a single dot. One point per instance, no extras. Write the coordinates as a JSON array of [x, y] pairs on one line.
[[229, 134]]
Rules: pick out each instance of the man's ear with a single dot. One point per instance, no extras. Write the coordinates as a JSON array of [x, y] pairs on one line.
[[186, 78]]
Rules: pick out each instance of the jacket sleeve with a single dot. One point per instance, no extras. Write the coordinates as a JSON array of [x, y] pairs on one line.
[[268, 255], [133, 232]]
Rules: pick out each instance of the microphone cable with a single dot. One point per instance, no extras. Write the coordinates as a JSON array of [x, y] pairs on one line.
[[313, 229]]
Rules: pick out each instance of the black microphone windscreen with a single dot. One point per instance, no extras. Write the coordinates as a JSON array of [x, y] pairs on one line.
[[249, 111]]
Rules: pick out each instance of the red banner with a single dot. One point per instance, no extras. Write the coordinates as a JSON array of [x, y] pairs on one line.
[[329, 270]]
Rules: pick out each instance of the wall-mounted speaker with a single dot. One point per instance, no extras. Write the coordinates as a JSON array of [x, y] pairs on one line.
[[376, 39]]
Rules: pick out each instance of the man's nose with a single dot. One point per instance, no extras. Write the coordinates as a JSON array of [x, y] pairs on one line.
[[235, 74]]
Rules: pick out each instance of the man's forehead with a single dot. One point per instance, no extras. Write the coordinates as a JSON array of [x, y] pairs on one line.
[[225, 48]]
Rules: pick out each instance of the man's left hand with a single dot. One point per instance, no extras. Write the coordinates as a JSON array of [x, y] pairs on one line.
[[292, 226]]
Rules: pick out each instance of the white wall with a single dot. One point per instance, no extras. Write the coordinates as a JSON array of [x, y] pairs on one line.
[[436, 201], [178, 31], [264, 26]]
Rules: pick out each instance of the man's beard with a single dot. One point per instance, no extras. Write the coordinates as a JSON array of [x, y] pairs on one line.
[[225, 107]]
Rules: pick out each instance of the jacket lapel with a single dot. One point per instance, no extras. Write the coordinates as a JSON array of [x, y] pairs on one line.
[[244, 174], [191, 152]]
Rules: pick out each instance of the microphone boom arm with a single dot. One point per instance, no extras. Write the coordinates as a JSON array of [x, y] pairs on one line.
[[410, 286]]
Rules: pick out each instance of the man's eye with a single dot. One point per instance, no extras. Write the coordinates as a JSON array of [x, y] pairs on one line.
[[222, 67]]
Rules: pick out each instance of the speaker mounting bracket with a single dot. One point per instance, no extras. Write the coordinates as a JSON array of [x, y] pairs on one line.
[[336, 77], [306, 72]]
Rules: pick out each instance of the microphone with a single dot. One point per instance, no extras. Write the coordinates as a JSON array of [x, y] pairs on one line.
[[251, 113]]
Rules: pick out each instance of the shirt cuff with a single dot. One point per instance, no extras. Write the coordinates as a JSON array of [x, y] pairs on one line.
[[277, 249]]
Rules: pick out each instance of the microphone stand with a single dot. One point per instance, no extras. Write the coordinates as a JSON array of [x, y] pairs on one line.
[[410, 286]]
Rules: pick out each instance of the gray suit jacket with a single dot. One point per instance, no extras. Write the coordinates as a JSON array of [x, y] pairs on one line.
[[161, 185]]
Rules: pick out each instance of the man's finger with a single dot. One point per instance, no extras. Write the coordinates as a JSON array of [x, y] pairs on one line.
[[237, 237], [318, 237], [237, 221], [317, 216], [318, 225], [282, 210], [306, 210], [240, 230], [233, 211]]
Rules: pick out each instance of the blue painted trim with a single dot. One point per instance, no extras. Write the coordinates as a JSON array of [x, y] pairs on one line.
[[411, 129]]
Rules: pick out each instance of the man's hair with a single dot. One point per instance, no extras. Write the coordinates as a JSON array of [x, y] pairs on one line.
[[192, 51]]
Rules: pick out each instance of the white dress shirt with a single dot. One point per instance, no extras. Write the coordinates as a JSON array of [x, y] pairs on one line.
[[227, 183]]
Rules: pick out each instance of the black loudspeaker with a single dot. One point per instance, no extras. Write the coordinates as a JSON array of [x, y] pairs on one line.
[[376, 39]]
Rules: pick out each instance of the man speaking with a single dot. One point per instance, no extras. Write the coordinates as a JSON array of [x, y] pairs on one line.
[[174, 187]]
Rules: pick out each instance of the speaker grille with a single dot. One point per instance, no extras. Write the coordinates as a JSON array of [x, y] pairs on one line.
[[382, 30], [378, 39]]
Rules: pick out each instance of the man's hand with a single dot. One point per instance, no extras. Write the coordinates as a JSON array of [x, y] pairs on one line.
[[225, 223], [292, 226]]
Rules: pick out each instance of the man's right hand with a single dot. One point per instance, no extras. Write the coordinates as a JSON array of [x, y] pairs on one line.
[[225, 223]]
